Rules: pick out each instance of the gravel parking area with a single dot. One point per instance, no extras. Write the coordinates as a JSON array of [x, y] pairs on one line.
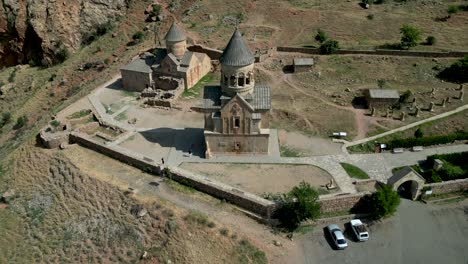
[[418, 233]]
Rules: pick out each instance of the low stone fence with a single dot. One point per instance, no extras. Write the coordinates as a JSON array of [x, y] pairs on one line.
[[410, 53], [448, 186], [341, 202], [214, 54], [245, 200]]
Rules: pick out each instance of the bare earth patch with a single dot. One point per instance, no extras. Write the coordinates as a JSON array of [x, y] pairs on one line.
[[262, 178]]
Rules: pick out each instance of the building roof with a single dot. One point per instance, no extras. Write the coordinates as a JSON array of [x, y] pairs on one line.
[[175, 34], [261, 98], [236, 52], [384, 93], [401, 174], [140, 65], [303, 61]]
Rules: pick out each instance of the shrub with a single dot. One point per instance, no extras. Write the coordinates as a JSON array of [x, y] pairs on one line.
[[427, 141], [451, 172], [410, 36], [457, 72], [20, 122], [329, 47], [302, 203], [418, 133], [62, 54], [453, 9], [138, 36], [156, 10], [370, 16], [224, 231], [431, 40], [321, 36], [405, 96], [6, 118], [384, 202], [432, 176], [55, 123]]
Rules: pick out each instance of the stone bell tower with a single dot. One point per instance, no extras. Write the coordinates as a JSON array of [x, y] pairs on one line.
[[176, 41], [237, 67]]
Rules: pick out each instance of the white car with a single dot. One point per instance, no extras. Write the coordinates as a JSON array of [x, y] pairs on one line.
[[337, 236], [359, 230]]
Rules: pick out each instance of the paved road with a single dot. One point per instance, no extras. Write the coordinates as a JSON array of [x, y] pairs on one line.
[[418, 233]]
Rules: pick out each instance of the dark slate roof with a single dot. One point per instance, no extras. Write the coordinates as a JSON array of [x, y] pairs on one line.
[[261, 98], [211, 97], [186, 58], [236, 52], [402, 173], [175, 34], [140, 65]]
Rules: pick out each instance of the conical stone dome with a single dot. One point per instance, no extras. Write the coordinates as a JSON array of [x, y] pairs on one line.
[[175, 34], [236, 52]]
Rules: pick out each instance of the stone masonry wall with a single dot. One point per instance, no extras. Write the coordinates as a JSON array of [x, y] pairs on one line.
[[448, 186], [341, 203], [430, 54], [214, 54]]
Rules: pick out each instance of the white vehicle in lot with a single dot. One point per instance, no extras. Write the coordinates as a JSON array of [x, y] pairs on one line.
[[360, 230], [337, 236]]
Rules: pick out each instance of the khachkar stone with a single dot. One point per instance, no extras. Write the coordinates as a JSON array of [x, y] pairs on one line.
[[433, 92], [462, 93], [448, 99], [402, 117], [387, 113], [373, 111], [443, 102], [460, 87], [431, 107], [416, 113]]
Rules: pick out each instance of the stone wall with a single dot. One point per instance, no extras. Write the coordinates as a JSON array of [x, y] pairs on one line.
[[236, 144], [341, 202], [448, 186], [214, 54], [135, 81], [411, 53], [247, 201]]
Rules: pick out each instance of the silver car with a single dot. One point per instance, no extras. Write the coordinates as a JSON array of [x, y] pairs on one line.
[[337, 236]]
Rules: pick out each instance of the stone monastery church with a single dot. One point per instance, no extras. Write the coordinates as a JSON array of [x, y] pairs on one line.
[[236, 111]]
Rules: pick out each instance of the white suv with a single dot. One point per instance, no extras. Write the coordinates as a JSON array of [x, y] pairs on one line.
[[337, 236]]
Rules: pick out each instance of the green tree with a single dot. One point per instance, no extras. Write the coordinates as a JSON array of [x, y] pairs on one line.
[[430, 40], [418, 133], [384, 202], [20, 122], [321, 36], [329, 47], [300, 204], [6, 118], [138, 36], [457, 72], [410, 36]]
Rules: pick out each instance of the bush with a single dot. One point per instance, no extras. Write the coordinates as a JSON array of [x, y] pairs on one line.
[[321, 36], [302, 203], [20, 122], [457, 72], [432, 176], [451, 172], [427, 141], [329, 47], [418, 133], [453, 9], [138, 36], [410, 36], [62, 54], [431, 40], [156, 10], [6, 118], [384, 202]]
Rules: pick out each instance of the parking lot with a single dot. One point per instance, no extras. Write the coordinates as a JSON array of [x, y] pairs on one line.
[[418, 233]]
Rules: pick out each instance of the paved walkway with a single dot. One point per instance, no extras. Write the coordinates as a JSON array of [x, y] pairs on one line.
[[364, 140]]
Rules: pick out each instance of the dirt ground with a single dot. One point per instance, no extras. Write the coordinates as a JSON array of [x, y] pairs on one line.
[[262, 178], [308, 145]]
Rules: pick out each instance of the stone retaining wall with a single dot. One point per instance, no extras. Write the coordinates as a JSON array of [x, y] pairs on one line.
[[411, 53], [448, 186], [341, 202]]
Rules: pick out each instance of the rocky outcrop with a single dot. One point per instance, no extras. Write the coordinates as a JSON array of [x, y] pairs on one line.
[[35, 30]]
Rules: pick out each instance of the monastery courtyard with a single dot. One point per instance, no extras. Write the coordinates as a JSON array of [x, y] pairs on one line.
[[169, 134]]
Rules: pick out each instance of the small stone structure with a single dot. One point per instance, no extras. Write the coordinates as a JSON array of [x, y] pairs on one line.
[[303, 64], [438, 164], [381, 97], [406, 181], [236, 111], [54, 136], [431, 107], [174, 66]]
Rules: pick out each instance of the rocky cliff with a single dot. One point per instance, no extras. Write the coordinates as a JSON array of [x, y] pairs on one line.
[[33, 31]]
